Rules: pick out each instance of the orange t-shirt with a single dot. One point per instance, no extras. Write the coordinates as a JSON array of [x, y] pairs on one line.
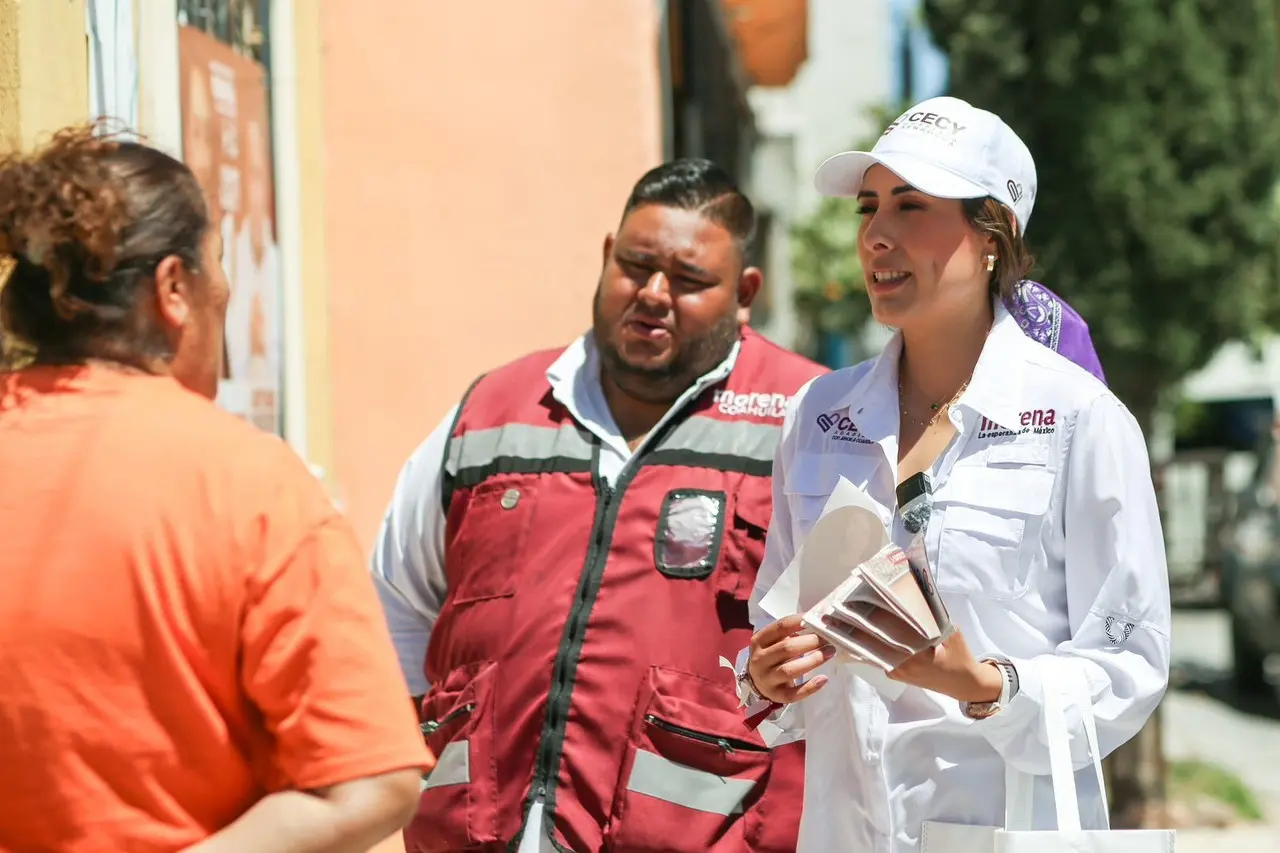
[[186, 623]]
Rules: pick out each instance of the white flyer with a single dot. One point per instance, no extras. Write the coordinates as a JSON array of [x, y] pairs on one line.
[[847, 533]]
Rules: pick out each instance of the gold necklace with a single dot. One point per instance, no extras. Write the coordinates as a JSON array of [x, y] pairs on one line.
[[938, 409]]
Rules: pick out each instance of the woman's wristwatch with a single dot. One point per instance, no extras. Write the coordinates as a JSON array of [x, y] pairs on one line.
[[749, 696], [747, 693], [1008, 689]]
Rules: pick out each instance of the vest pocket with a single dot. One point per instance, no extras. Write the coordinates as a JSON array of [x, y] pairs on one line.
[[749, 516], [495, 524], [773, 823], [690, 772], [984, 547], [459, 805]]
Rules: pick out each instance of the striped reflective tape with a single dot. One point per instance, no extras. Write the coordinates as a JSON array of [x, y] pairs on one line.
[[667, 780], [453, 767]]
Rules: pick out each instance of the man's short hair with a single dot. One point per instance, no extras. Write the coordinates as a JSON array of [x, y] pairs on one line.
[[692, 183]]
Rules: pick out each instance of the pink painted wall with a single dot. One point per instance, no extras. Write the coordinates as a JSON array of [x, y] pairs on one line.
[[474, 163]]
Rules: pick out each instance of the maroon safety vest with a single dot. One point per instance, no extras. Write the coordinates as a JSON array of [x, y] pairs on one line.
[[575, 659]]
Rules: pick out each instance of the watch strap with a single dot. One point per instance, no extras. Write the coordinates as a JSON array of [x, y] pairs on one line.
[[1009, 687], [747, 693]]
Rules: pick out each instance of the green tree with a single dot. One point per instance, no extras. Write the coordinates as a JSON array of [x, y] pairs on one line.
[[1155, 130], [1156, 135], [830, 292]]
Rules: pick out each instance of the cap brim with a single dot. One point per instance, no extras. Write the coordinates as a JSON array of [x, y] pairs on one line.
[[841, 176]]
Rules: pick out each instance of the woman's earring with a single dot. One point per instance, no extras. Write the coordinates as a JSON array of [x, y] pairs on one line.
[[991, 263]]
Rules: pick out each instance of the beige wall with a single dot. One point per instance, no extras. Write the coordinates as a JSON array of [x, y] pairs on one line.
[[474, 163], [44, 70], [44, 73], [313, 266]]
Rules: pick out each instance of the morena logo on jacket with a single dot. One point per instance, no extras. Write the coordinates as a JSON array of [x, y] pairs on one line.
[[1037, 421]]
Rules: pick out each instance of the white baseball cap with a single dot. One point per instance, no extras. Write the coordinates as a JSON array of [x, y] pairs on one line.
[[948, 148]]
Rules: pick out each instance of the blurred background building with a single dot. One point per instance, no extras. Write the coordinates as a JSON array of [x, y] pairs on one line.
[[864, 56]]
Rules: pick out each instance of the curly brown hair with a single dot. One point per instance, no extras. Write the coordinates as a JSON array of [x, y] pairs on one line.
[[84, 220], [1013, 259]]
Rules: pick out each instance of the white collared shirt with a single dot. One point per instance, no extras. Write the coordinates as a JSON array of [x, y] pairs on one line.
[[1046, 541]]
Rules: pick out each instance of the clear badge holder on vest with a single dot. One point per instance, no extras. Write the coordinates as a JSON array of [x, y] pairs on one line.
[[690, 528]]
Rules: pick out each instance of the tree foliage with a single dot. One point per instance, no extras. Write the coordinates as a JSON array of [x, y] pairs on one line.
[[830, 291], [829, 285], [1156, 133]]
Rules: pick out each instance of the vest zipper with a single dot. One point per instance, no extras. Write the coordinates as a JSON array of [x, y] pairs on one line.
[[430, 727], [727, 744], [551, 745], [566, 663]]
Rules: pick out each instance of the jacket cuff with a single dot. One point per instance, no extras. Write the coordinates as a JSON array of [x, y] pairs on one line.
[[1023, 709]]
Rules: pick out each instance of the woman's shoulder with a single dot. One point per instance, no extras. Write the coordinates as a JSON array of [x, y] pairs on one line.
[[826, 391], [177, 430], [195, 419], [249, 483], [1049, 367], [1052, 382]]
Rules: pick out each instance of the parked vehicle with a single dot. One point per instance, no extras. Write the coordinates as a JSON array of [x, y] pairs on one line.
[[1251, 569]]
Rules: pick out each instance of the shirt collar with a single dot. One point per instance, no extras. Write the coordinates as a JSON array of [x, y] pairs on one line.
[[574, 378], [563, 373], [993, 390], [873, 400], [996, 386]]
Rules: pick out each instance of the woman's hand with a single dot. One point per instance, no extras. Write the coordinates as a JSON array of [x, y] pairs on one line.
[[951, 669], [780, 655]]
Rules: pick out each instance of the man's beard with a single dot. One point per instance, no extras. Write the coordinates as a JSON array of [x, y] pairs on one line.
[[690, 359]]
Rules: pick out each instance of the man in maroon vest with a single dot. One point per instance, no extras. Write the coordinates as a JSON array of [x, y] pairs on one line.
[[569, 555]]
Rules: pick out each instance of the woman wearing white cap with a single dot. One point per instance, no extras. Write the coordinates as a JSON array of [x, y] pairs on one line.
[[1044, 536]]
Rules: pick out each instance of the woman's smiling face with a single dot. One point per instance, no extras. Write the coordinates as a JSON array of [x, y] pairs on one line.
[[921, 257]]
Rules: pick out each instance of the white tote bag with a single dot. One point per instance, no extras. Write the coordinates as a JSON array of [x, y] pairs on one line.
[[1017, 837]]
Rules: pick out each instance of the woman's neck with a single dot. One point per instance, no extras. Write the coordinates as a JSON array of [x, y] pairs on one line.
[[137, 365], [936, 361]]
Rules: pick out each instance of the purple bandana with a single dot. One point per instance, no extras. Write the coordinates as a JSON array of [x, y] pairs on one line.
[[1046, 318]]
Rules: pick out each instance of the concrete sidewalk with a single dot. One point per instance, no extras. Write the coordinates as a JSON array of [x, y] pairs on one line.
[[1237, 839]]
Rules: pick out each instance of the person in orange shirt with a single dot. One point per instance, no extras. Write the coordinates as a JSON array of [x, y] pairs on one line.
[[192, 655]]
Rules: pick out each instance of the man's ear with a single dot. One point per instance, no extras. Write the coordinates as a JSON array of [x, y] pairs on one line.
[[607, 250], [749, 284], [173, 292]]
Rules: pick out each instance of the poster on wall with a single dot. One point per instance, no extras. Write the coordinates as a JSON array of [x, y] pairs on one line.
[[227, 144]]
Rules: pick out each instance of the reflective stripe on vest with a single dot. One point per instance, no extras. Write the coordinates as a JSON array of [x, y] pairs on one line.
[[453, 767], [701, 442], [517, 449], [738, 446], [675, 783]]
